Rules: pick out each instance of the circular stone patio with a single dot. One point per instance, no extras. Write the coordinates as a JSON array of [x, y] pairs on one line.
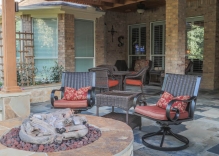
[[116, 139]]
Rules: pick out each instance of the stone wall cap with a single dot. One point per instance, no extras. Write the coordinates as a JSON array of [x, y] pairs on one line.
[[3, 94]]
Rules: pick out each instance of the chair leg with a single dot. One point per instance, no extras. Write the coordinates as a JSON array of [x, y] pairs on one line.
[[165, 131]]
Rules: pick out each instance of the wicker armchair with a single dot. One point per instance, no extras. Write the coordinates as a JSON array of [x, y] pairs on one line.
[[159, 74], [105, 80], [112, 68], [177, 86], [75, 80], [140, 64], [136, 79]]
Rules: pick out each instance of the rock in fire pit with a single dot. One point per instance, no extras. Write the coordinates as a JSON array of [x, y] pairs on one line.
[[60, 130]]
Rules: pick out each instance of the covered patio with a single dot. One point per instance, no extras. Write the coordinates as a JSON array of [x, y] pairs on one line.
[[113, 22]]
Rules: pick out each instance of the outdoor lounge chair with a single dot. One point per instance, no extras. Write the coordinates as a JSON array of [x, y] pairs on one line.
[[112, 68], [75, 80], [136, 79], [105, 80], [159, 74], [140, 64], [165, 114]]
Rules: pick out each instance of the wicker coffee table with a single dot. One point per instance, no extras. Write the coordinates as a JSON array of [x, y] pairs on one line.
[[122, 99]]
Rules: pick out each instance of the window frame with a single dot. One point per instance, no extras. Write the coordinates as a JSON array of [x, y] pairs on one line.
[[152, 24], [129, 39], [46, 58], [192, 20]]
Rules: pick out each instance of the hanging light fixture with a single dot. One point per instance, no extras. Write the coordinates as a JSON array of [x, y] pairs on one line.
[[16, 5], [140, 8]]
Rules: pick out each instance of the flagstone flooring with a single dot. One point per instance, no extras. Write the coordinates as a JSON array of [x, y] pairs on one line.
[[203, 131]]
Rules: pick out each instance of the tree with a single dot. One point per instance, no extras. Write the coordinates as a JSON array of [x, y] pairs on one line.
[[195, 42]]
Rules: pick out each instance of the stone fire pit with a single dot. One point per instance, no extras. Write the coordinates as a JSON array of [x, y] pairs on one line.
[[116, 139], [58, 131]]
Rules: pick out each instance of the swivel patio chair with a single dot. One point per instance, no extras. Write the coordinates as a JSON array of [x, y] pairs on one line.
[[105, 80], [176, 105], [136, 79], [75, 80]]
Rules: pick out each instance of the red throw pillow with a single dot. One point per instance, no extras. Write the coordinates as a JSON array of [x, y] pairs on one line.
[[179, 104], [167, 97], [81, 93], [72, 94], [164, 100], [69, 93]]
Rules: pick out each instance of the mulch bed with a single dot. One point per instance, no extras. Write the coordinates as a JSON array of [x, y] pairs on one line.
[[12, 140]]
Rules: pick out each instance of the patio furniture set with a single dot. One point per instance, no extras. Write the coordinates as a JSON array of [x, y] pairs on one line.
[[176, 105]]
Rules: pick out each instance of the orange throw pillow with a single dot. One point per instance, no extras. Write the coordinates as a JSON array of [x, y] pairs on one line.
[[164, 100], [71, 94], [167, 97]]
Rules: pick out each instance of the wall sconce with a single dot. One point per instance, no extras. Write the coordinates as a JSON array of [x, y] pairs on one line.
[[16, 5]]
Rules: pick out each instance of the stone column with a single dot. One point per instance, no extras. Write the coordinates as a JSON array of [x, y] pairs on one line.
[[175, 36], [9, 50]]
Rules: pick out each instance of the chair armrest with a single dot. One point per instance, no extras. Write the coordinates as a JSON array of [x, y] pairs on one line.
[[168, 108], [91, 97], [52, 96], [136, 100]]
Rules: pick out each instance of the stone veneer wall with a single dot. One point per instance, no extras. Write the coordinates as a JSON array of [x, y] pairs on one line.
[[66, 52], [14, 105], [41, 94]]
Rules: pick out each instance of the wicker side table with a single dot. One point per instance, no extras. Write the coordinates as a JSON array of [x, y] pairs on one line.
[[122, 99]]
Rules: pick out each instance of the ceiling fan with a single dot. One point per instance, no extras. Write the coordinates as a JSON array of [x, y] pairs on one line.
[[140, 8]]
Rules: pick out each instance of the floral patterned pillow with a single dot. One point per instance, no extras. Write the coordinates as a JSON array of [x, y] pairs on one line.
[[69, 93], [164, 100], [167, 97], [81, 93], [72, 94], [179, 104]]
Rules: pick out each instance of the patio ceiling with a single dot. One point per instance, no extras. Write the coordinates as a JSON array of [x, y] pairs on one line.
[[120, 5]]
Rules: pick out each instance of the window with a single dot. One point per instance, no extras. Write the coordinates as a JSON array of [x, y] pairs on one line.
[[137, 43], [45, 43], [195, 42], [158, 45], [84, 45]]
